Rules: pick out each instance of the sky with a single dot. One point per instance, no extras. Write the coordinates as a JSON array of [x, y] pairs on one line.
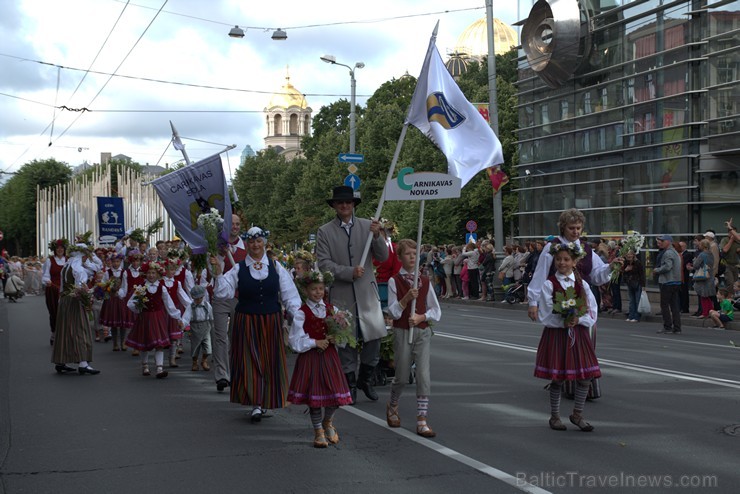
[[186, 44]]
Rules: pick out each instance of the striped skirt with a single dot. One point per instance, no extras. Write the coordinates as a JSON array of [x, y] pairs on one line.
[[114, 313], [149, 332], [73, 341], [173, 328], [258, 370], [566, 355], [52, 305], [318, 380]]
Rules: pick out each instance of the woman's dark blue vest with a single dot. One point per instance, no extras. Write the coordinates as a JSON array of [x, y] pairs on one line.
[[258, 296]]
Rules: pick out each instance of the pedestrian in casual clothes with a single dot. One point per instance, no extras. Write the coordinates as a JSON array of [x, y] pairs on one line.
[[669, 279], [633, 274], [704, 285]]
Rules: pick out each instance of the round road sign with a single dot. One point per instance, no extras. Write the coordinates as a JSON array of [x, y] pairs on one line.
[[471, 226]]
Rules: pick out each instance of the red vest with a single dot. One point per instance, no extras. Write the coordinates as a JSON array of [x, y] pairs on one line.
[[132, 281], [55, 273], [156, 303], [239, 255], [172, 291], [315, 327], [402, 288]]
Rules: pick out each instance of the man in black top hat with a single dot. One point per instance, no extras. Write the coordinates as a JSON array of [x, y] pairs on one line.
[[339, 247]]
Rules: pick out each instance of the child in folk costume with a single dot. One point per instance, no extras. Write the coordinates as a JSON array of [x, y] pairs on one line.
[[401, 293], [131, 278], [567, 308], [179, 296], [151, 303], [199, 315], [318, 380], [114, 313], [97, 305], [185, 277]]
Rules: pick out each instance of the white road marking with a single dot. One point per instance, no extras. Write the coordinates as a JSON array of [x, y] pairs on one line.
[[452, 454], [686, 376], [681, 340]]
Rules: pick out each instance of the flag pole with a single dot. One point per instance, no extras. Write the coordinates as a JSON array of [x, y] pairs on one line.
[[498, 216], [177, 143], [417, 274], [392, 169]]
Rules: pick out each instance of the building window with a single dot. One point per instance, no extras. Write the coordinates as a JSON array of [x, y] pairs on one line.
[[293, 125], [278, 125]]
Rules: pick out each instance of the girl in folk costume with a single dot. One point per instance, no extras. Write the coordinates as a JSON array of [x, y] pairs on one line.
[[186, 279], [400, 296], [567, 308], [199, 316], [318, 380], [51, 279], [114, 313], [131, 278], [179, 296], [152, 303], [73, 341], [97, 306]]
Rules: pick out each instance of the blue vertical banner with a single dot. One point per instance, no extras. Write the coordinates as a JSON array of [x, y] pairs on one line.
[[110, 219]]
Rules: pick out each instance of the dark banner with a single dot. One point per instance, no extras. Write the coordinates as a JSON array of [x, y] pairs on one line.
[[110, 219]]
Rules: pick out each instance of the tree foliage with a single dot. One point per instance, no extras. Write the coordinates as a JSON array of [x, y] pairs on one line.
[[18, 202]]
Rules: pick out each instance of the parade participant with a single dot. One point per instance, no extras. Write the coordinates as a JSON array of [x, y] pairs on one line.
[[339, 248], [114, 312], [51, 279], [400, 296], [73, 340], [223, 308], [565, 351], [132, 277], [101, 331], [317, 381], [199, 317], [152, 303], [258, 369], [392, 265], [180, 298]]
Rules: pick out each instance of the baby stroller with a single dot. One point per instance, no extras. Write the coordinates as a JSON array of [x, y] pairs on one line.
[[515, 292]]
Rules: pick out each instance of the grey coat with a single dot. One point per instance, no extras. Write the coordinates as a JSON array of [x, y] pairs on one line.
[[704, 288], [339, 253]]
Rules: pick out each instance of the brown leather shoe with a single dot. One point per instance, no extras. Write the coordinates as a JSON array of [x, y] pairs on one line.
[[391, 416], [556, 424], [319, 440], [331, 433], [422, 428], [204, 364]]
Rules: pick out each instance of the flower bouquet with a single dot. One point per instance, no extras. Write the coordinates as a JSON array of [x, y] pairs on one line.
[[632, 242], [212, 224], [141, 298], [83, 294], [569, 305], [340, 325], [104, 290]]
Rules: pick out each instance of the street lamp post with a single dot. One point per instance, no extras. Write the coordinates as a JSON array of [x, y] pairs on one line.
[[352, 124]]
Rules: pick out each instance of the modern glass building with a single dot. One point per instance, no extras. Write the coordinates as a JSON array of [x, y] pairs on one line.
[[629, 111]]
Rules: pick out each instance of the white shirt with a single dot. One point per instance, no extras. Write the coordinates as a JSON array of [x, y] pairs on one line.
[[545, 314], [124, 281], [203, 312], [434, 311], [298, 339], [182, 295], [600, 271], [169, 306], [46, 274], [226, 284]]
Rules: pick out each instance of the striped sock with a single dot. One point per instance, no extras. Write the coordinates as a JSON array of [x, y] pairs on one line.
[[315, 417], [555, 391], [580, 397], [329, 413], [422, 406]]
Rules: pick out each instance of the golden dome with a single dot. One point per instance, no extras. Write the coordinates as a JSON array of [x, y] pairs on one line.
[[473, 42], [287, 97]]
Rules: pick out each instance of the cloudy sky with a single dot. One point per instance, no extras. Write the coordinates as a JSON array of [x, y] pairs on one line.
[[186, 45]]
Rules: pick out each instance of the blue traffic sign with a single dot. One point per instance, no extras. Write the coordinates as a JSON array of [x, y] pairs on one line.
[[351, 158], [353, 181], [471, 238]]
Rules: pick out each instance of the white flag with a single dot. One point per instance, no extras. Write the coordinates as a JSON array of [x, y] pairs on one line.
[[190, 191], [439, 109]]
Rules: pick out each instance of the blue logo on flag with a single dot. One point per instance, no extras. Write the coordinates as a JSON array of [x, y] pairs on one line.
[[440, 111]]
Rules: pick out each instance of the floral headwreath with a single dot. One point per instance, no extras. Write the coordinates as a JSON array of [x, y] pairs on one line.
[[60, 242], [172, 261], [255, 232], [316, 277], [115, 255], [389, 226], [176, 254], [133, 254], [83, 244], [575, 249], [152, 265]]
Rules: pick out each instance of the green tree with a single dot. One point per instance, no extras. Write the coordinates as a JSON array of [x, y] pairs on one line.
[[18, 201]]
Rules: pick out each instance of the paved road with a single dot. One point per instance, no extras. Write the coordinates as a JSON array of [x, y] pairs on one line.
[[669, 409]]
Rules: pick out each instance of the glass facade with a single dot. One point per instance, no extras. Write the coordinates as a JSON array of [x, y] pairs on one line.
[[646, 134]]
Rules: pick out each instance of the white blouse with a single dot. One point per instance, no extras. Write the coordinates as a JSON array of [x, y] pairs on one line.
[[551, 320], [169, 306], [298, 339]]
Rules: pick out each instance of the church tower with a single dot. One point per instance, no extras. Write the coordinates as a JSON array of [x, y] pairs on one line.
[[288, 119]]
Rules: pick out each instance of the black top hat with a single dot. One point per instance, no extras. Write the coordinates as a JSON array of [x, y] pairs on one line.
[[343, 193]]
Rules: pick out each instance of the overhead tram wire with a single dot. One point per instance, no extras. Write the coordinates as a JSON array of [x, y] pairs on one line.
[[118, 67]]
